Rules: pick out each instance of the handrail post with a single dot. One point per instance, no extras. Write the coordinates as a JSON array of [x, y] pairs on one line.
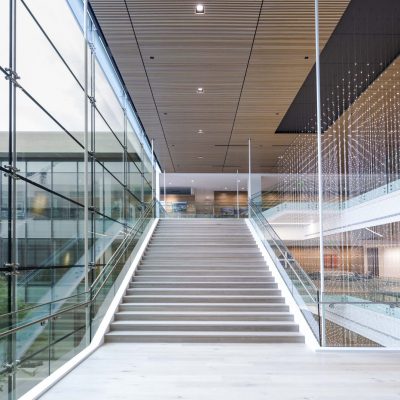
[[249, 181]]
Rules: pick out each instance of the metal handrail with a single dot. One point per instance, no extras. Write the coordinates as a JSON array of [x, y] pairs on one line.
[[268, 226], [81, 304], [42, 305], [390, 303], [42, 319]]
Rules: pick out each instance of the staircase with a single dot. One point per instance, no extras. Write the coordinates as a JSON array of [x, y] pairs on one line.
[[203, 281]]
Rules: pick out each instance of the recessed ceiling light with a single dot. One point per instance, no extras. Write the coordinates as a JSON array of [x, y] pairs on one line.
[[200, 9], [169, 183], [242, 188], [200, 90], [200, 131], [192, 180], [200, 157], [226, 188]]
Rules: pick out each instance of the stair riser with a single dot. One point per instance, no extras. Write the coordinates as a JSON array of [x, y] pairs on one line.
[[225, 240], [195, 339], [203, 257], [194, 317], [193, 292], [200, 273], [204, 328], [158, 278], [203, 307], [157, 244], [201, 264], [203, 285], [202, 300], [187, 267]]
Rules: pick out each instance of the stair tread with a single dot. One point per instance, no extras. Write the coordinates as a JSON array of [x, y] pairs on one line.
[[166, 304], [202, 333], [206, 323], [230, 313], [167, 296]]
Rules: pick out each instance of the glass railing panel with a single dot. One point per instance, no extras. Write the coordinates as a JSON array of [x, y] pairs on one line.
[[302, 288], [33, 363], [106, 285], [67, 332], [60, 338], [360, 321], [4, 359], [204, 210], [43, 337]]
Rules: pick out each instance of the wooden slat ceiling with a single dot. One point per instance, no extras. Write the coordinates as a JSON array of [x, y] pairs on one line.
[[248, 55]]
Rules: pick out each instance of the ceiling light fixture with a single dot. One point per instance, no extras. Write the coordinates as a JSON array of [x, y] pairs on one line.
[[200, 90], [200, 157], [200, 131], [200, 9]]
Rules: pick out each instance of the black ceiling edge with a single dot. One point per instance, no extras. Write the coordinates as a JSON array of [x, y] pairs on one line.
[[364, 43]]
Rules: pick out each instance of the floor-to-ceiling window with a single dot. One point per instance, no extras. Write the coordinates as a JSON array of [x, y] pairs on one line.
[[70, 140]]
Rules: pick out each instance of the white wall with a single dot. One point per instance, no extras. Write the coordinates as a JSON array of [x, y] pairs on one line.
[[389, 262]]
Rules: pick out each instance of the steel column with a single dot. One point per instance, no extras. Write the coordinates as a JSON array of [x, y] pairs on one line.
[[320, 187]]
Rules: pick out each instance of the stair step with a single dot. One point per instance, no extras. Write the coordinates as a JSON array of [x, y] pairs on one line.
[[204, 285], [202, 326], [202, 264], [204, 299], [204, 307], [203, 278], [204, 258], [206, 272], [203, 337], [193, 292], [189, 267], [195, 245], [203, 316]]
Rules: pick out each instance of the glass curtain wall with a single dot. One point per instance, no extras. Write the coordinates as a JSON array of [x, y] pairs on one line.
[[46, 134], [360, 100]]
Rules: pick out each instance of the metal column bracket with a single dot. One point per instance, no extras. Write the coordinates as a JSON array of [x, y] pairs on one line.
[[12, 76], [11, 171], [11, 368], [92, 47], [13, 269]]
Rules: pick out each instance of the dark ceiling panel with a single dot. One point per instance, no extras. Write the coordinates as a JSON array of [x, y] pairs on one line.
[[364, 43]]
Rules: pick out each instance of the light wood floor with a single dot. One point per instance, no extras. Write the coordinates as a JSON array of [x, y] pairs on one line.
[[230, 372]]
